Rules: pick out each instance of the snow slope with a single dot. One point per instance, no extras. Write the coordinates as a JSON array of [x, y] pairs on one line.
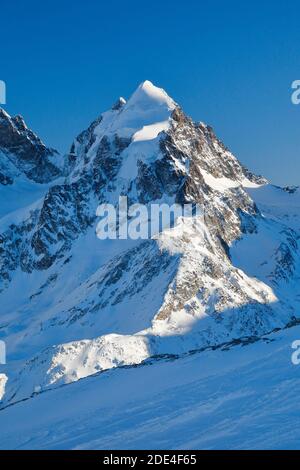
[[245, 397], [282, 204]]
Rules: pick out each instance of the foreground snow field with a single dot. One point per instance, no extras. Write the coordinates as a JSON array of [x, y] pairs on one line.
[[242, 398]]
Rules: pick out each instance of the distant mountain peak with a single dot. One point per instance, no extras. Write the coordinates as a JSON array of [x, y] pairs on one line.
[[23, 149]]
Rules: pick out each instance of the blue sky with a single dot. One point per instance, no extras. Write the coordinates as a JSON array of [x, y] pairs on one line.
[[227, 63]]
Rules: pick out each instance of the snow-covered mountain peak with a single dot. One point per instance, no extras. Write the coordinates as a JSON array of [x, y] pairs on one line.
[[179, 292], [23, 152], [149, 95], [147, 106], [127, 126]]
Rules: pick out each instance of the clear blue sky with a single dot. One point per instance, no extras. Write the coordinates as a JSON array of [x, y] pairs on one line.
[[227, 63]]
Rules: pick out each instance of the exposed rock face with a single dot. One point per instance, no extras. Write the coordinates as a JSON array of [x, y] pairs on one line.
[[26, 151], [231, 274]]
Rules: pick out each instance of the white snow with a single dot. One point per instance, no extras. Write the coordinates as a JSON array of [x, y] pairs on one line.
[[244, 398], [22, 193], [141, 119], [278, 203], [219, 184], [145, 113], [222, 184], [150, 132]]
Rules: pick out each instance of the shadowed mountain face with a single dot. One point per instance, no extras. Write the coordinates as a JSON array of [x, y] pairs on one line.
[[23, 152], [73, 305]]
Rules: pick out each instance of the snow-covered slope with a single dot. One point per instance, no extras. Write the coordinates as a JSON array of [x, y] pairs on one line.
[[282, 204], [244, 397], [72, 305]]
